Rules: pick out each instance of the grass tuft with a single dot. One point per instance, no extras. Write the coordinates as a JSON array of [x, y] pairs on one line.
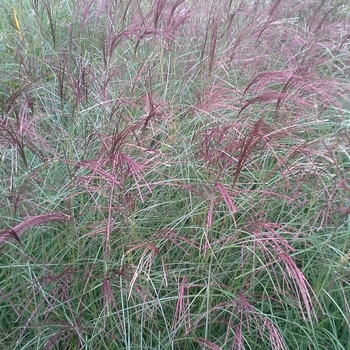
[[174, 174]]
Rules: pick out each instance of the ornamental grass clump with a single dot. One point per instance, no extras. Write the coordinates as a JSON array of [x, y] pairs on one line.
[[174, 174]]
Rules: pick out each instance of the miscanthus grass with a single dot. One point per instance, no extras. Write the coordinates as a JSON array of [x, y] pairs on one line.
[[174, 174]]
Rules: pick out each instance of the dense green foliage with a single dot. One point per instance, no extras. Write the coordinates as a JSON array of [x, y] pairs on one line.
[[174, 174]]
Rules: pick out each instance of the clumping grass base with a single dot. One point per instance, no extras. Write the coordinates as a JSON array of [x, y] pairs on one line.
[[175, 174]]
